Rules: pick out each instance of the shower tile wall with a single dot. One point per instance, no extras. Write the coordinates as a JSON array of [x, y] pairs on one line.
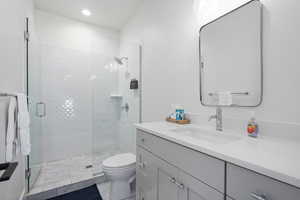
[[67, 93], [106, 112], [76, 86]]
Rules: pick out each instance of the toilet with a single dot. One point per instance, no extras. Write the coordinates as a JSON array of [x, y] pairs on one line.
[[120, 170]]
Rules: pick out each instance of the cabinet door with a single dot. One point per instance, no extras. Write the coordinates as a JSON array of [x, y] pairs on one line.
[[166, 181], [193, 189], [146, 175], [201, 166]]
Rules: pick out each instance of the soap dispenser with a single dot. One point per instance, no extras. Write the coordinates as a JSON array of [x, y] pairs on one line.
[[134, 84], [252, 127]]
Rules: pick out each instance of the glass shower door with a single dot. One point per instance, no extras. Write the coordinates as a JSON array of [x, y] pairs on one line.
[[131, 97], [116, 106], [106, 110], [37, 112]]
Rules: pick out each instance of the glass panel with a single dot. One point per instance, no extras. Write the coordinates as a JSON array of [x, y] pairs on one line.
[[116, 106], [106, 112], [82, 122], [34, 93], [130, 71], [67, 93]]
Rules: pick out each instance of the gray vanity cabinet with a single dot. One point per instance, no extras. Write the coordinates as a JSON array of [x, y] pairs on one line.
[[243, 184], [169, 171], [204, 168], [146, 175], [193, 189], [166, 181], [159, 179], [175, 184], [156, 179]]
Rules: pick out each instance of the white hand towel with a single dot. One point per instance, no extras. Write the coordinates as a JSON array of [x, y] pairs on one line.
[[11, 131], [225, 98], [23, 124]]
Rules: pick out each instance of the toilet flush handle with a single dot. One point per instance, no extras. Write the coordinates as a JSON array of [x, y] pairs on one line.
[[132, 179]]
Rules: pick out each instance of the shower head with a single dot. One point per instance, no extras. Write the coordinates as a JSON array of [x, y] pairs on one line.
[[120, 60]]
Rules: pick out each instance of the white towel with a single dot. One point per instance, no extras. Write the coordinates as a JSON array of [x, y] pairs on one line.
[[23, 124], [11, 131], [224, 98]]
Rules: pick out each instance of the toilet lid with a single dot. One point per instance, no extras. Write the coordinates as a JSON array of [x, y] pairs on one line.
[[120, 160]]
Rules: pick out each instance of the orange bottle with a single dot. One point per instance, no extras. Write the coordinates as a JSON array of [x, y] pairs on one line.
[[252, 128]]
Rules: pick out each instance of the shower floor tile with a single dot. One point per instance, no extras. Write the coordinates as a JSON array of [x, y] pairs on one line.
[[69, 172]]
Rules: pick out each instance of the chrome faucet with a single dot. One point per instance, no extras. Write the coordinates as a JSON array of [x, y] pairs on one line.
[[218, 117]]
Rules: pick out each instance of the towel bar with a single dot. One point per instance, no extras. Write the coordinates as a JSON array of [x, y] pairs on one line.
[[9, 95], [232, 93]]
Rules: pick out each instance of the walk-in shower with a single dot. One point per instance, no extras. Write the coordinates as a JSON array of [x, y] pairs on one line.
[[77, 119]]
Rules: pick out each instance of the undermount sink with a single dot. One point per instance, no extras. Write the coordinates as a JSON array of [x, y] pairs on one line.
[[211, 136]]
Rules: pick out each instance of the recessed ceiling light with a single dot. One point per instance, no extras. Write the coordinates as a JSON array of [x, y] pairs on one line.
[[86, 12]]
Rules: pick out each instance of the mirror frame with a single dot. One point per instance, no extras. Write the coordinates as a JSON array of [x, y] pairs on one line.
[[261, 58]]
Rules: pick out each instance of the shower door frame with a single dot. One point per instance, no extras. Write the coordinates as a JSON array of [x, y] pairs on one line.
[[28, 168], [26, 37]]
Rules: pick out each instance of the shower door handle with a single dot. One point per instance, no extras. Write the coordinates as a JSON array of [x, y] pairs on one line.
[[38, 106], [125, 107]]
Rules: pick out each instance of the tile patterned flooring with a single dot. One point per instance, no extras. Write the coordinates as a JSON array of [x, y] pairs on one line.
[[104, 190], [63, 176]]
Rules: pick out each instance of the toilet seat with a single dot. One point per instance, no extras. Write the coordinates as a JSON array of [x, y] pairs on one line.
[[121, 162]]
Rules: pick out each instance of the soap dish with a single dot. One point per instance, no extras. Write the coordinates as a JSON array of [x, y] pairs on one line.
[[185, 121]]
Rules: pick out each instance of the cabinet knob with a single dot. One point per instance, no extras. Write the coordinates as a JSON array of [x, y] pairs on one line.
[[143, 140], [258, 197]]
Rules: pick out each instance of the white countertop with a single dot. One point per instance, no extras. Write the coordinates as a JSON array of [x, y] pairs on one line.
[[272, 157]]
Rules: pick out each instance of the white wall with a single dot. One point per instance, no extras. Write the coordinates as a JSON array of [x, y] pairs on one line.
[[12, 77], [76, 87], [12, 47], [168, 31]]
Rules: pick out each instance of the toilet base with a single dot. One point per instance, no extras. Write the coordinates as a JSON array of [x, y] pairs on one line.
[[120, 190], [120, 171]]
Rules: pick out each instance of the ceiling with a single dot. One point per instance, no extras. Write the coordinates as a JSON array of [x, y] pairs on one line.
[[108, 13]]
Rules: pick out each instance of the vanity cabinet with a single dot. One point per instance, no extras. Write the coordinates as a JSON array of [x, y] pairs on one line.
[[170, 171], [167, 176], [158, 178], [207, 169], [193, 189], [155, 178], [146, 173], [248, 185]]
